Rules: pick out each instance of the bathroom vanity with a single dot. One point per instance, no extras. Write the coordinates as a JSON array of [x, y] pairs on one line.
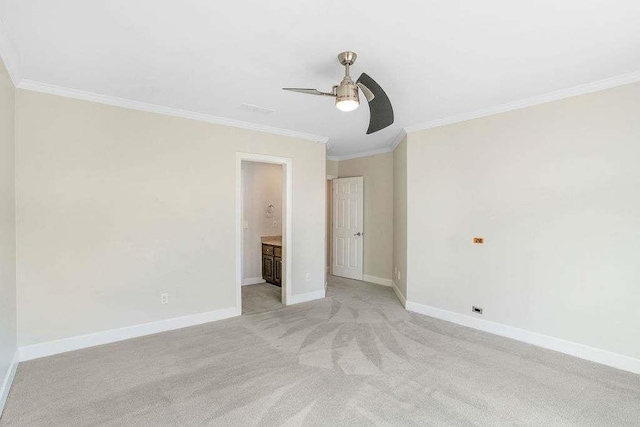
[[272, 259]]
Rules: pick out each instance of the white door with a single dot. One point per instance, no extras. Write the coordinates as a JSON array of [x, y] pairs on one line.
[[348, 227]]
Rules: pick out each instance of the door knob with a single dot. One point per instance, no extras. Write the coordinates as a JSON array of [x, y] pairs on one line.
[[359, 234]]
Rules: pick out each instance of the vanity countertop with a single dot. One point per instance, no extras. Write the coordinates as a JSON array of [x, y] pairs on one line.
[[272, 240]]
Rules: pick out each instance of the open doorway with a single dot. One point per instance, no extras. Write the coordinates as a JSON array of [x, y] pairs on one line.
[[263, 202]]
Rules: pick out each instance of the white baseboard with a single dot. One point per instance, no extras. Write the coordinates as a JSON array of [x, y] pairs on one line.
[[582, 351], [253, 281], [309, 296], [8, 380], [401, 297], [377, 280], [105, 337]]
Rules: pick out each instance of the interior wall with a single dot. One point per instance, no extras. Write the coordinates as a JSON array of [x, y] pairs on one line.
[[7, 228], [377, 171], [332, 170], [116, 206], [262, 185], [332, 167], [400, 216], [554, 190], [329, 224]]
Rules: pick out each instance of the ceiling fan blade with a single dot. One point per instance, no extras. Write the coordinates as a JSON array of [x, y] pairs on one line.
[[307, 91], [367, 93], [380, 110]]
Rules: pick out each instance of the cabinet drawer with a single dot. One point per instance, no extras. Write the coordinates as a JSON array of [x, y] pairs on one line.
[[277, 251], [267, 249]]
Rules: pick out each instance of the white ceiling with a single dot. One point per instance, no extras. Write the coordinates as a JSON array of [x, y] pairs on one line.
[[434, 59]]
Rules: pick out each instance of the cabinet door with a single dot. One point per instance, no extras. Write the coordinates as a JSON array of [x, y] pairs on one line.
[[267, 268], [277, 271]]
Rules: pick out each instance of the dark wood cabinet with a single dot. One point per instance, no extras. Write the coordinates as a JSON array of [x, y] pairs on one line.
[[277, 271], [272, 264], [267, 268]]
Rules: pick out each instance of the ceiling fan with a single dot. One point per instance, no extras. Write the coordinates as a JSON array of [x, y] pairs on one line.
[[347, 98]]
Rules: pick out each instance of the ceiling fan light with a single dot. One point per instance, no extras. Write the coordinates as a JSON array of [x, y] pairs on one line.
[[347, 104], [347, 95]]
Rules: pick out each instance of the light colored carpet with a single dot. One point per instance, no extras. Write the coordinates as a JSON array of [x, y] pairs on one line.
[[354, 358], [261, 298]]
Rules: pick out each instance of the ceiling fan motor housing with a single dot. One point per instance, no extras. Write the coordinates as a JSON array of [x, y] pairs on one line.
[[346, 91], [347, 96]]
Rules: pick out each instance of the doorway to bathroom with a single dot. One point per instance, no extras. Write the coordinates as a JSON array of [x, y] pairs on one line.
[[263, 194]]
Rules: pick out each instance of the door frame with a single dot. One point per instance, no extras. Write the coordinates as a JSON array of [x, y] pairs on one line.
[[287, 187]]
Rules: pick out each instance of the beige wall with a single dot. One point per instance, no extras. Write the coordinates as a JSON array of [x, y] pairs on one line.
[[332, 167], [116, 206], [555, 191], [332, 170], [262, 184], [378, 210], [329, 223], [400, 216], [7, 227]]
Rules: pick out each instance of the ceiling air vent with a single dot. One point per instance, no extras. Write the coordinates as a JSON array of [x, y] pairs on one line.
[[255, 109]]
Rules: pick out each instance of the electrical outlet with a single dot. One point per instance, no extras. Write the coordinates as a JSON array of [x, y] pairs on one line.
[[397, 274], [164, 298], [308, 277], [245, 224], [274, 224], [476, 309]]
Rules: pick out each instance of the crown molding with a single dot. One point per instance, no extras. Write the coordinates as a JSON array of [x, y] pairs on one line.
[[360, 154], [11, 61], [159, 109], [502, 108], [398, 139], [9, 55], [529, 102]]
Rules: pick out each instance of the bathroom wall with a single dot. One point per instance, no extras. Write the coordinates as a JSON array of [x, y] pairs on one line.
[[262, 184]]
